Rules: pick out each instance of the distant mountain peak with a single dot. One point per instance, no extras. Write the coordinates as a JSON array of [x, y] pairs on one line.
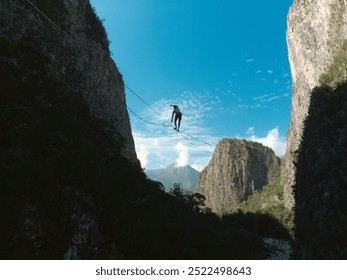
[[185, 175]]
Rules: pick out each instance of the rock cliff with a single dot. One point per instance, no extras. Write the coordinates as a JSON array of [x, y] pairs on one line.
[[315, 160], [317, 47], [236, 170], [74, 47], [64, 130]]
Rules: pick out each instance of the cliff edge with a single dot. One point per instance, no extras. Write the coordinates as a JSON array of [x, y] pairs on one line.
[[317, 48], [237, 169], [314, 167], [66, 148]]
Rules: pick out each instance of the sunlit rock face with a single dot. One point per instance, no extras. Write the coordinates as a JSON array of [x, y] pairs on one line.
[[237, 169]]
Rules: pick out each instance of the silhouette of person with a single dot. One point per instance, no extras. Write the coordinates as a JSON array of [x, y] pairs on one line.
[[178, 116]]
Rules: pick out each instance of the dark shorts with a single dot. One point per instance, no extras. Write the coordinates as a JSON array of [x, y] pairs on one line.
[[178, 116]]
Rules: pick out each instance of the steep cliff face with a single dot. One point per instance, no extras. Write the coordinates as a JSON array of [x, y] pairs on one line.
[[65, 134], [74, 48], [236, 170], [315, 161], [321, 181], [317, 46]]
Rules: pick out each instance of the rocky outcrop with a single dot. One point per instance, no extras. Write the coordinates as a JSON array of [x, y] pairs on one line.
[[315, 160], [74, 47], [317, 47], [237, 169]]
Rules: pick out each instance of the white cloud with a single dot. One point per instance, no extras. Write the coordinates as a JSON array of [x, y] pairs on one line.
[[198, 167], [183, 154], [142, 154], [267, 98], [156, 151], [260, 97], [269, 71], [250, 130], [249, 60], [272, 140]]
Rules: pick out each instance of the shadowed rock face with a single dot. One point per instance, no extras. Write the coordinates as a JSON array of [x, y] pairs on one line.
[[75, 54], [321, 179], [236, 170], [315, 161], [65, 132]]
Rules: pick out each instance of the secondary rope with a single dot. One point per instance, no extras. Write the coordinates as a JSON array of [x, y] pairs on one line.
[[137, 116], [194, 138], [42, 13], [139, 97]]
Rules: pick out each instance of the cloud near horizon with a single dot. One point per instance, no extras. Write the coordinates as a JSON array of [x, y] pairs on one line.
[[160, 151], [272, 140], [183, 154]]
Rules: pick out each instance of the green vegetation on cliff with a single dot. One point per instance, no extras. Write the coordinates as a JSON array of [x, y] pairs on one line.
[[337, 72], [270, 202]]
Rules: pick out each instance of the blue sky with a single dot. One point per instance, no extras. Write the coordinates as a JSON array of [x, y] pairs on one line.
[[223, 62]]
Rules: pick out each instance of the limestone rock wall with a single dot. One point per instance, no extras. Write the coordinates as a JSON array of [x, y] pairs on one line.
[[316, 35], [314, 170], [236, 170]]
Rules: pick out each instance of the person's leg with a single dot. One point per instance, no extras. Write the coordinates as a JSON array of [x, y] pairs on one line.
[[175, 121], [179, 122]]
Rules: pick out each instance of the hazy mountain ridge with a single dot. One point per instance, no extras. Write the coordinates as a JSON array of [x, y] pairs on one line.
[[186, 176]]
